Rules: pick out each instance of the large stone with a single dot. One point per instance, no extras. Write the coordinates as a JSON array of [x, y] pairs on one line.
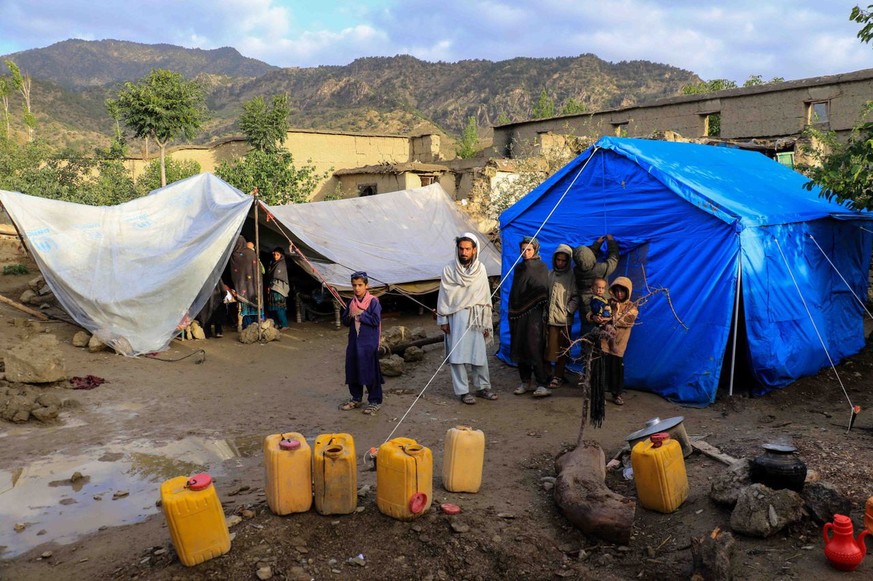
[[95, 344], [395, 335], [727, 484], [81, 339], [45, 414], [26, 297], [197, 331], [36, 359], [413, 354], [824, 501], [251, 335], [36, 283], [391, 366], [762, 511]]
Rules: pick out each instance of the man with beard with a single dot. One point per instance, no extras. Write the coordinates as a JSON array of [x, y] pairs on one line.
[[464, 316]]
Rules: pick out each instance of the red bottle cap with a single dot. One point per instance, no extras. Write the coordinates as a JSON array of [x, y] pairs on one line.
[[417, 502], [450, 509], [286, 444], [199, 481], [658, 439]]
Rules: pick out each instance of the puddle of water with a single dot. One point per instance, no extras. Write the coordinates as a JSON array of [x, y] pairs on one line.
[[41, 495]]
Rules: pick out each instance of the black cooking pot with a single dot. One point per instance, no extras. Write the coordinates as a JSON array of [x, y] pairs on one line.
[[778, 468]]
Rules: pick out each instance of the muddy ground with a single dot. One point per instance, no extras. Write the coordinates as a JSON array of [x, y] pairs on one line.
[[157, 419]]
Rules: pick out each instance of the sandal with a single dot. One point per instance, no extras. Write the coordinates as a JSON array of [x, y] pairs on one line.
[[541, 391], [468, 399], [618, 400], [350, 405], [486, 394], [557, 382], [372, 408], [521, 389]]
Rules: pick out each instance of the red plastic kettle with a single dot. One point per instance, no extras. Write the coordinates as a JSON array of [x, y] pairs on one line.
[[843, 550]]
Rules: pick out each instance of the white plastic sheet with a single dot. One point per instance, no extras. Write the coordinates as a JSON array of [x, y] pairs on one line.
[[131, 273]]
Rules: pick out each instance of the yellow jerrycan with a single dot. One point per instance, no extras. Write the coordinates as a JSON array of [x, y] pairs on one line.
[[288, 467], [404, 478], [659, 473], [335, 474], [195, 518], [463, 459]]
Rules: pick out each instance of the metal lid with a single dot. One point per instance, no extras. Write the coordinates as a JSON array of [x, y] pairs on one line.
[[774, 447], [655, 425]]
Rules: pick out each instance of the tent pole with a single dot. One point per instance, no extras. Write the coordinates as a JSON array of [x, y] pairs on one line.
[[736, 318], [260, 284]]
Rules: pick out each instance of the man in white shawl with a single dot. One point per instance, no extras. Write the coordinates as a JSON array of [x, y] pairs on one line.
[[464, 315]]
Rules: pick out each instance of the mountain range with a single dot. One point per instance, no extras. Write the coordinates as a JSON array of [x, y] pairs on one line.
[[393, 95]]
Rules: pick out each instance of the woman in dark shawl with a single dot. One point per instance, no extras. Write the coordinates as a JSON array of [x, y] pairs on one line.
[[243, 272], [279, 288], [528, 298]]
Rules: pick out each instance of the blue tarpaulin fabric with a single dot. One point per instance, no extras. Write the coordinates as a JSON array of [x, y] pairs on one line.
[[689, 218]]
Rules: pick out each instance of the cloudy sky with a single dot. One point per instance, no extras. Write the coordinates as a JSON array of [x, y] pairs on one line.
[[730, 39]]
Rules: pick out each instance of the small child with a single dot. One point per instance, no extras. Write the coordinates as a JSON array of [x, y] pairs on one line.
[[599, 303], [624, 315], [363, 317]]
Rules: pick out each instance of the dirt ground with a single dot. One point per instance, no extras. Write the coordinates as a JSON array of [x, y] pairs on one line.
[[157, 419]]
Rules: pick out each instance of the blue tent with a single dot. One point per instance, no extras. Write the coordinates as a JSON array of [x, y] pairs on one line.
[[694, 220]]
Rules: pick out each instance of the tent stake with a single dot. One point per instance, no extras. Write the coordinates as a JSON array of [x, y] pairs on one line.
[[736, 318]]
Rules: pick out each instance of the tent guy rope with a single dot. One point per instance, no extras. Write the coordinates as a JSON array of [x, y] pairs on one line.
[[818, 334]]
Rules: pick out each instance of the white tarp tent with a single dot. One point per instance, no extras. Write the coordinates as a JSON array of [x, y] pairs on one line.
[[130, 273], [402, 239]]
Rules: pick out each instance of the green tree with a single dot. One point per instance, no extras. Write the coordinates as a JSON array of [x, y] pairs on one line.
[[163, 106], [265, 127], [712, 86], [278, 180], [844, 169], [573, 107], [157, 174], [5, 91], [469, 139], [544, 108], [502, 119], [22, 83]]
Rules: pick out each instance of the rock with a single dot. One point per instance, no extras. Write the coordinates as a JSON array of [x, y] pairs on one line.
[[358, 560], [46, 555], [547, 486], [233, 520], [264, 573], [727, 484], [49, 399], [19, 527], [460, 527], [198, 333], [36, 359], [417, 333], [364, 491], [26, 297], [36, 283], [413, 354], [120, 494], [391, 366], [16, 407], [81, 339], [251, 335], [824, 501], [247, 513], [95, 345], [45, 414], [762, 512], [395, 335]]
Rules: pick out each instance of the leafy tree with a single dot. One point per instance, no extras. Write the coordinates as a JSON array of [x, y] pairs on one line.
[[278, 180], [156, 173], [844, 169], [573, 107], [265, 128], [469, 139], [712, 86], [163, 106], [502, 119], [544, 107], [5, 91], [22, 83]]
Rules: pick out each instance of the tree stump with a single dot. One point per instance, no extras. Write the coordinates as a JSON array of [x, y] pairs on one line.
[[582, 495], [712, 556]]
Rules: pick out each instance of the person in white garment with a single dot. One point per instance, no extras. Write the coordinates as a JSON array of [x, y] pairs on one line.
[[464, 315]]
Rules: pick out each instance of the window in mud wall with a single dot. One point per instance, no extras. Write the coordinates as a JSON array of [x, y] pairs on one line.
[[620, 129], [817, 113], [786, 158], [367, 190], [711, 124], [427, 180]]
